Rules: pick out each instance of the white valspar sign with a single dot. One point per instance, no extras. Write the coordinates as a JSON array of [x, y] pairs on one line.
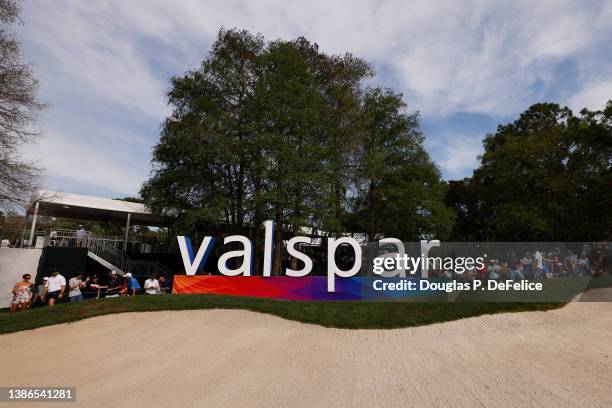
[[193, 262]]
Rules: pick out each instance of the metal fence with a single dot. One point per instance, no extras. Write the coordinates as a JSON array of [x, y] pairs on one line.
[[66, 238], [108, 248], [21, 239]]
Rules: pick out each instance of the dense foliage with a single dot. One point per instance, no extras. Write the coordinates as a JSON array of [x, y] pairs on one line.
[[282, 131], [545, 177]]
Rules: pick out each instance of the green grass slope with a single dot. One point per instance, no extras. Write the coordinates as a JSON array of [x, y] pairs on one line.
[[348, 315]]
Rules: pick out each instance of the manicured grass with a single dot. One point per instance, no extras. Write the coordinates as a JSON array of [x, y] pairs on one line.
[[341, 314], [350, 315]]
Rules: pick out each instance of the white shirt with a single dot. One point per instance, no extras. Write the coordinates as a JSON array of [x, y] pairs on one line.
[[152, 286], [55, 283], [538, 259], [75, 282]]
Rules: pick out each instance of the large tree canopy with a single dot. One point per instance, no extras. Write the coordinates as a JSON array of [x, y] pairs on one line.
[[545, 177], [283, 131]]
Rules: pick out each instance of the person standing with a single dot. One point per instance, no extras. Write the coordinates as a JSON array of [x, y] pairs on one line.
[[152, 285], [41, 293], [53, 238], [56, 285], [74, 288], [81, 236], [538, 265], [22, 294]]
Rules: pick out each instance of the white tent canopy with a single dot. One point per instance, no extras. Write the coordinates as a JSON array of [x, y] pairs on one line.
[[82, 207], [68, 205]]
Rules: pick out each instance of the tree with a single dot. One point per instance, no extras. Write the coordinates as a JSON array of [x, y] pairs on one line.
[[18, 110], [286, 113], [544, 177], [341, 79], [398, 188], [273, 131], [588, 167], [464, 197], [200, 162]]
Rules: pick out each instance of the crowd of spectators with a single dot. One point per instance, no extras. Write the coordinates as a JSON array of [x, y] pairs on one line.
[[54, 288], [540, 264]]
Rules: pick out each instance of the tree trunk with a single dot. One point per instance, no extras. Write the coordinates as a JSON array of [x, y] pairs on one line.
[[240, 198], [296, 229], [257, 220], [278, 241], [372, 210]]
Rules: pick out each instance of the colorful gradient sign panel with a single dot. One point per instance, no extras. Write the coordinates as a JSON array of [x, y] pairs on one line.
[[280, 287]]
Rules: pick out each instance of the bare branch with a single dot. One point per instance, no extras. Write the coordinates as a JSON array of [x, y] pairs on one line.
[[19, 108]]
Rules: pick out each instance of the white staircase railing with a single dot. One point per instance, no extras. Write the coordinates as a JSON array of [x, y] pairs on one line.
[[107, 249]]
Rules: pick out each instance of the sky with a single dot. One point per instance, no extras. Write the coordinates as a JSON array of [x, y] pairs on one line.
[[465, 66]]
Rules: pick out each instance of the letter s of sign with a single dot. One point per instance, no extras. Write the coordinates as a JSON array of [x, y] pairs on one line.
[[191, 263], [299, 255]]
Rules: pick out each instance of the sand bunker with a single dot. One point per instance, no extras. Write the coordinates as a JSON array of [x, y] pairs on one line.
[[233, 358]]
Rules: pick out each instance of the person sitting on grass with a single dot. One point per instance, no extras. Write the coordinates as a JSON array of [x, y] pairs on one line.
[[74, 287], [114, 285], [93, 288], [165, 285], [56, 285], [570, 263], [494, 270], [152, 285], [132, 285], [515, 268], [546, 270], [527, 266], [583, 264], [22, 294]]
